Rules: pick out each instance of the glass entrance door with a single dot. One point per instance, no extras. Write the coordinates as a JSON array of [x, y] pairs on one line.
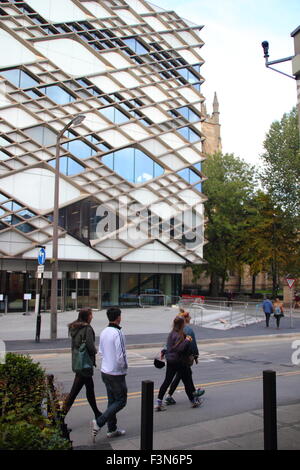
[[15, 291]]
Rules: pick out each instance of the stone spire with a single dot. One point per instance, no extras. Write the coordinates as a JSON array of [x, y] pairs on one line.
[[216, 112]]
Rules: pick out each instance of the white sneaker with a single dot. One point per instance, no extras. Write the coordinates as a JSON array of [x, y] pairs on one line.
[[94, 430], [116, 433]]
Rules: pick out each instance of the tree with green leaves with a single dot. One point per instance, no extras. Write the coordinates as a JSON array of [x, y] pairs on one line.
[[269, 241], [230, 184], [281, 172]]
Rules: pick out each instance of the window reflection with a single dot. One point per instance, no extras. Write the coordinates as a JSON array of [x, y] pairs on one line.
[[67, 166], [189, 134], [133, 165], [57, 94], [135, 46], [114, 115], [79, 148], [189, 114], [190, 177], [85, 221], [20, 78]]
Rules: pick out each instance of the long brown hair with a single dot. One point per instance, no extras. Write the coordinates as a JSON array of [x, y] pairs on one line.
[[178, 325], [83, 317]]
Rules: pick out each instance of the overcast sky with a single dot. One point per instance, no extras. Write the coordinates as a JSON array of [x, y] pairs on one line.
[[251, 96]]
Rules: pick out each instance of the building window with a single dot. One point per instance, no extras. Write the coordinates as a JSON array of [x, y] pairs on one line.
[[189, 134], [188, 75], [79, 148], [188, 114], [57, 94], [114, 115], [12, 206], [191, 177], [67, 166], [135, 46], [25, 228], [20, 78], [133, 165]]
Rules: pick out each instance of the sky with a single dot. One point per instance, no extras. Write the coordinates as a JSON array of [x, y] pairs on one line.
[[250, 95]]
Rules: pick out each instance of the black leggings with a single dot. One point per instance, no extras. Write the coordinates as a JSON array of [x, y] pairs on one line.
[[185, 374], [176, 381], [79, 382]]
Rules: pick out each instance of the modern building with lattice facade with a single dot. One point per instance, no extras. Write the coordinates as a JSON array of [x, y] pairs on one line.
[[130, 200]]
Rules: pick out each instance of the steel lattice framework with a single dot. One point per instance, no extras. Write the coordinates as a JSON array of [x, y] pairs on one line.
[[133, 69]]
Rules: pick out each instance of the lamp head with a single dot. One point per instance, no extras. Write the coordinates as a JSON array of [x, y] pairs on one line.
[[265, 46], [78, 119]]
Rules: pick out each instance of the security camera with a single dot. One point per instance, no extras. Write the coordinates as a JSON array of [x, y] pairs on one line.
[[265, 46]]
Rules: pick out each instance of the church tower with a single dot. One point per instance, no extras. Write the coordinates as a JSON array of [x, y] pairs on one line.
[[211, 128]]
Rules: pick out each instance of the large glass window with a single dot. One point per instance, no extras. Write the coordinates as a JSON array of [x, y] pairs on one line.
[[189, 134], [189, 114], [135, 46], [188, 75], [191, 177], [12, 206], [57, 94], [114, 115], [20, 78], [79, 148], [133, 165], [68, 166], [82, 219]]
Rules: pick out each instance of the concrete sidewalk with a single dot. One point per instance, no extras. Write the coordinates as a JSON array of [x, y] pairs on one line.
[[140, 326], [238, 432]]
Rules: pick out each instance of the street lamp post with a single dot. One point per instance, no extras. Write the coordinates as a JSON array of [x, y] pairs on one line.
[[53, 322]]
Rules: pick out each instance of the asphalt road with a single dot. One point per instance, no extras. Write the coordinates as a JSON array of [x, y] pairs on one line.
[[231, 374]]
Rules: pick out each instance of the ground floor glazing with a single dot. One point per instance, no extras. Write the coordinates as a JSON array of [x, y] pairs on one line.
[[18, 289]]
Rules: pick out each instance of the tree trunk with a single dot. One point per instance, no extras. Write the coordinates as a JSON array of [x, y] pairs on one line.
[[214, 285], [253, 283]]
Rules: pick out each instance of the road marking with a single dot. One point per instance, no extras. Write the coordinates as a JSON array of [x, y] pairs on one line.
[[131, 395]]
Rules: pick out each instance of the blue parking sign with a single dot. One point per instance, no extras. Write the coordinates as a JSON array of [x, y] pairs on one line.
[[42, 256]]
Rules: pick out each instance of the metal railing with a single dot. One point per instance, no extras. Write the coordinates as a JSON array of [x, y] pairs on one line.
[[230, 313], [157, 300]]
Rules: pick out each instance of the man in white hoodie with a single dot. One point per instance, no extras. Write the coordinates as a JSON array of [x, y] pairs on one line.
[[113, 371]]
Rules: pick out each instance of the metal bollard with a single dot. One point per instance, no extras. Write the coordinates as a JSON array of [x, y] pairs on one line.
[[147, 415], [270, 410]]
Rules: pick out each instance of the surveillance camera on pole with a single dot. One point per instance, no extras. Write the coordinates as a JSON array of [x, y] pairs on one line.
[[265, 46]]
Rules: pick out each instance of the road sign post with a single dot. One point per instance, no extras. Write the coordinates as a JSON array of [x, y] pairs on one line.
[[290, 281], [40, 271]]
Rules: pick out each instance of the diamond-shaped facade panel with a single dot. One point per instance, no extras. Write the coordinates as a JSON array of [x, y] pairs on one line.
[[128, 173]]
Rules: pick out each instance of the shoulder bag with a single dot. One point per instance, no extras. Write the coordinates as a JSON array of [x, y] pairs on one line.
[[82, 362]]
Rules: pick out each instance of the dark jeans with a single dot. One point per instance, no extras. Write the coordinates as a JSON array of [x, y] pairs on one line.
[[79, 382], [184, 372], [267, 318], [117, 398]]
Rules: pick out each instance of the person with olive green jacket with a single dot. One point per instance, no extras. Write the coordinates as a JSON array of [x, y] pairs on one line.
[[80, 330]]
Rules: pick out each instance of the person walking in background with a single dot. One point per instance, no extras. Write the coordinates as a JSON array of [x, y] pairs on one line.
[[194, 352], [113, 371], [268, 310], [80, 330], [176, 353], [278, 311]]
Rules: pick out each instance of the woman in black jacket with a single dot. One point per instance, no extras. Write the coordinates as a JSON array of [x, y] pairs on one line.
[[81, 330], [177, 351]]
